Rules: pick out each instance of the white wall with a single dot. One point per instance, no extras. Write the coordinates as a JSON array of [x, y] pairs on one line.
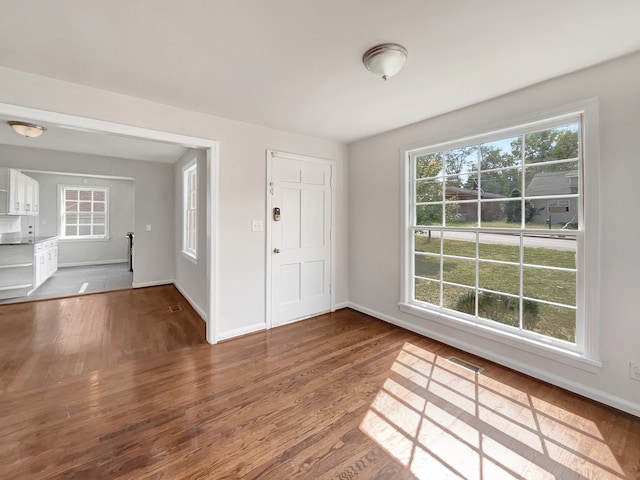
[[241, 253], [374, 233], [120, 209], [191, 278], [154, 258]]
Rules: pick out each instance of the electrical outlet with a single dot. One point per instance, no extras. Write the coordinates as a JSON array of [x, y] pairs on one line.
[[634, 371]]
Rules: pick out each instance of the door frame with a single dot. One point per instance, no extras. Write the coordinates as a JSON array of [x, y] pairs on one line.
[[270, 154], [211, 147]]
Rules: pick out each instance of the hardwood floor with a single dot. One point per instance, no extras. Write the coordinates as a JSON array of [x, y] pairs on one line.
[[113, 386]]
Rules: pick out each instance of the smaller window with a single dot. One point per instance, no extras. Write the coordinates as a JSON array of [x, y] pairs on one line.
[[84, 212], [190, 210]]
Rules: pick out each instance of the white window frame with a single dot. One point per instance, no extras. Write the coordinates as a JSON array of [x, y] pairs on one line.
[[62, 213], [585, 353], [190, 210]]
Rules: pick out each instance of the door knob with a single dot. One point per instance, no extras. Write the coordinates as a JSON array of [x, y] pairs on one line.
[[276, 250]]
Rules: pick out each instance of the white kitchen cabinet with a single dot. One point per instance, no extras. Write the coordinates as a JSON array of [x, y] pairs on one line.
[[19, 193], [16, 270], [25, 265], [45, 260]]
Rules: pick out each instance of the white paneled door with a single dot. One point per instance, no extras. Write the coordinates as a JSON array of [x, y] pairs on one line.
[[300, 250]]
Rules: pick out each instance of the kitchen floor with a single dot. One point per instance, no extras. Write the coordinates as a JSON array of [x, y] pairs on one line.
[[69, 281]]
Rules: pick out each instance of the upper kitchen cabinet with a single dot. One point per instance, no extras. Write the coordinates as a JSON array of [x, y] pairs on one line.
[[19, 194]]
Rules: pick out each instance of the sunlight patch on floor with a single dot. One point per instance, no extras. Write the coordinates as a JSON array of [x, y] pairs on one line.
[[442, 421]]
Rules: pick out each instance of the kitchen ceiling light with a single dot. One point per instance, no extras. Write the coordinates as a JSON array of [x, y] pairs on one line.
[[28, 130], [385, 60]]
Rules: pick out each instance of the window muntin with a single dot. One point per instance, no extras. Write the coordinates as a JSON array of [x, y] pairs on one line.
[[190, 210], [490, 244], [84, 213]]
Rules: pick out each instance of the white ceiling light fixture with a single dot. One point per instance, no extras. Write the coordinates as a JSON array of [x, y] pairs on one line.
[[29, 130], [385, 60]]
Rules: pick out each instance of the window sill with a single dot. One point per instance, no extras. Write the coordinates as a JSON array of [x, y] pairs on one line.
[[192, 258], [81, 239], [551, 352]]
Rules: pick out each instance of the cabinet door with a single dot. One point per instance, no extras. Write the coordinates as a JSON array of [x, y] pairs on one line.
[[23, 193], [40, 268], [15, 198], [28, 195], [55, 259], [35, 197]]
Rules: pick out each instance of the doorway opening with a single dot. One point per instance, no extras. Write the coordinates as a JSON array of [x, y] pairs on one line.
[[79, 235], [154, 219]]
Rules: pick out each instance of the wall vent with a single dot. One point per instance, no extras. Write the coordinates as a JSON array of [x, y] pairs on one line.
[[466, 365]]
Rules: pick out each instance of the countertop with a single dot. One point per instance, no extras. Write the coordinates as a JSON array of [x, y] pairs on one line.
[[18, 240]]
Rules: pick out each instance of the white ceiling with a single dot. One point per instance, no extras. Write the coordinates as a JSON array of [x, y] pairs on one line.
[[296, 64], [94, 143]]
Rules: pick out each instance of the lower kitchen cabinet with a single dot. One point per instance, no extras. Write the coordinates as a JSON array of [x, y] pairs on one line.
[[16, 270], [46, 261], [26, 266]]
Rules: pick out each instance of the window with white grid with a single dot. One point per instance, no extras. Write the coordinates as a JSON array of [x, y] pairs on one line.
[[190, 207], [497, 232], [84, 212]]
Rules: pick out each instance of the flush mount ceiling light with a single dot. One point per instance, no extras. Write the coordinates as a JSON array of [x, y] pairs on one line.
[[385, 60], [28, 130]]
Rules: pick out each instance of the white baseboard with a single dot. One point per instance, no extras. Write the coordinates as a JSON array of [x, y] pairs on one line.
[[594, 394], [195, 306], [341, 305], [256, 327], [155, 283], [88, 264]]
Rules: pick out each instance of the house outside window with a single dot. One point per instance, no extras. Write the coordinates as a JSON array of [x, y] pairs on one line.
[[495, 235], [190, 210], [84, 212]]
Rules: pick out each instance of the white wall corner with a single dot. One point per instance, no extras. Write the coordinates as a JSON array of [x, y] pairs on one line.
[[154, 283], [199, 310], [256, 327]]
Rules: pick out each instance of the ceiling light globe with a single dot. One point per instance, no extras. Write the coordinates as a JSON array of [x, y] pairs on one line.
[[28, 130], [385, 60]]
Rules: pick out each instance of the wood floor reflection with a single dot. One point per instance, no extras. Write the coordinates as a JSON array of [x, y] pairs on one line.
[[115, 386]]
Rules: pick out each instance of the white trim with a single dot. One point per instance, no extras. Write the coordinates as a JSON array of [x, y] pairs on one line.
[[213, 188], [268, 247], [90, 263], [71, 174], [154, 283], [91, 125], [340, 306], [594, 394], [256, 327], [191, 168], [213, 167], [62, 211], [555, 116], [193, 304], [586, 335], [526, 344], [83, 239]]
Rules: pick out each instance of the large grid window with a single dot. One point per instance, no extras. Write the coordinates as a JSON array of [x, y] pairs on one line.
[[190, 210], [84, 212], [496, 232]]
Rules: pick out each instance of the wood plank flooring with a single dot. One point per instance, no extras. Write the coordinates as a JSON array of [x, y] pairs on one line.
[[113, 386]]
